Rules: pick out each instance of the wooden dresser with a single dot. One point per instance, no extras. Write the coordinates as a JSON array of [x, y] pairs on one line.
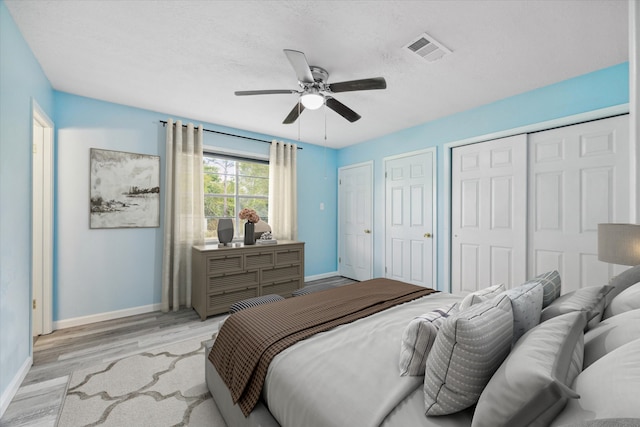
[[222, 276]]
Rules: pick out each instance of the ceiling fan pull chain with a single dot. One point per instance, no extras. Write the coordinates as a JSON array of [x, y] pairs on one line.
[[325, 140], [325, 124], [299, 120]]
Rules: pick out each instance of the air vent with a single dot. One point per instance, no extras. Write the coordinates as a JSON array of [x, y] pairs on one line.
[[427, 48]]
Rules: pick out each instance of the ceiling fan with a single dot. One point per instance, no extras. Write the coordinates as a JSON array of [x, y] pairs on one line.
[[315, 91]]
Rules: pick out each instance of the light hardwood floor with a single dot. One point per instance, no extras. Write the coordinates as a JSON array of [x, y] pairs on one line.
[[57, 355]]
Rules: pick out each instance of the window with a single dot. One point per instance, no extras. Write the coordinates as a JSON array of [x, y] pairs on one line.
[[230, 185]]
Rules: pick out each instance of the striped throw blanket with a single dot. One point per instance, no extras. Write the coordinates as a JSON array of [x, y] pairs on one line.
[[251, 338]]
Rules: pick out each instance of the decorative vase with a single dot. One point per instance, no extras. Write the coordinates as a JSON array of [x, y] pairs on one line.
[[225, 231], [249, 238]]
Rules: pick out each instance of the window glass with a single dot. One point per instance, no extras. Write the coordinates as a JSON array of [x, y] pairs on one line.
[[230, 185]]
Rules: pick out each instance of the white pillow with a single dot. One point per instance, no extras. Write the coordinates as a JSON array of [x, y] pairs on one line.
[[608, 388], [418, 338], [627, 300], [621, 282], [610, 334], [481, 295]]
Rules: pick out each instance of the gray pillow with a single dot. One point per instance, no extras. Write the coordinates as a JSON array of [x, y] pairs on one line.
[[469, 347], [552, 286], [532, 386], [621, 282], [608, 388], [590, 299], [526, 302], [610, 334], [418, 338], [481, 295], [629, 299]]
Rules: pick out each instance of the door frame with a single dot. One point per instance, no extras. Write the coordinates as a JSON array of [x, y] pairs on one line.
[[434, 205], [371, 246], [46, 242], [602, 113]]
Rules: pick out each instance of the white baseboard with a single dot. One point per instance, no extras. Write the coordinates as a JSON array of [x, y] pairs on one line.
[[320, 276], [14, 385], [93, 318]]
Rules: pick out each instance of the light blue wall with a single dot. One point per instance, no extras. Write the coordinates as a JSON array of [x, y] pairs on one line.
[[104, 270], [21, 81], [600, 89]]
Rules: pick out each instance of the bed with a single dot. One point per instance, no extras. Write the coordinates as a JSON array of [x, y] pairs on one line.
[[349, 374]]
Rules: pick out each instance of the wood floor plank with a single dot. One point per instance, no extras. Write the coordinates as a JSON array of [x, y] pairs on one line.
[[57, 355]]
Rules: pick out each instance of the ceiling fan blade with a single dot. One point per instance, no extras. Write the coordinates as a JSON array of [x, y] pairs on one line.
[[293, 115], [364, 84], [300, 65], [342, 109], [264, 92]]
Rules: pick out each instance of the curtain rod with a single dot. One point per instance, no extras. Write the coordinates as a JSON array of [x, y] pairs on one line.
[[164, 123]]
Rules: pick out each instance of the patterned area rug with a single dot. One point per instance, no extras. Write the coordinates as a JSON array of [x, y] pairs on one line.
[[162, 387]]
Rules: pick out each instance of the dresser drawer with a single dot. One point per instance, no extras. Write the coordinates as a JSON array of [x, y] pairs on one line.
[[282, 288], [278, 274], [288, 256], [221, 301], [259, 259], [230, 281], [224, 264]]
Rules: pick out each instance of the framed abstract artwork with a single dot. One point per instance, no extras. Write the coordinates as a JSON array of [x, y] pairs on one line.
[[124, 189]]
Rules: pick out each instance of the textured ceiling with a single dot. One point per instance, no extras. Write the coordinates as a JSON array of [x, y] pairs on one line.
[[186, 58]]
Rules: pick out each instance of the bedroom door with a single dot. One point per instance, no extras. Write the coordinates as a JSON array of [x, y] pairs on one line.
[[410, 218], [488, 214], [355, 210], [579, 177]]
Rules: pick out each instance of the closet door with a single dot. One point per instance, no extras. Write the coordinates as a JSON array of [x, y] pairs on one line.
[[488, 210], [579, 177]]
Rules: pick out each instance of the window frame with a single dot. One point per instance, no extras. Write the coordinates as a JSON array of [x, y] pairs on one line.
[[238, 156]]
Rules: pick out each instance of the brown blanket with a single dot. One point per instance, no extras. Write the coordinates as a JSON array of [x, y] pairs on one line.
[[251, 338]]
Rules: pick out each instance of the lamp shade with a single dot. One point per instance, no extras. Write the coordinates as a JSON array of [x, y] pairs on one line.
[[619, 243]]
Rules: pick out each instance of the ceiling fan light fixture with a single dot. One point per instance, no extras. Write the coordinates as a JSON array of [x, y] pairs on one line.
[[312, 100]]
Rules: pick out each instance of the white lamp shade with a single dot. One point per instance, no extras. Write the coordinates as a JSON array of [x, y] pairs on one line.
[[312, 101], [619, 243]]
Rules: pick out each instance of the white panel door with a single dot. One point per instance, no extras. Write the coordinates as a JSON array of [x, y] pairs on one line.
[[42, 224], [488, 214], [579, 177], [410, 218], [356, 217]]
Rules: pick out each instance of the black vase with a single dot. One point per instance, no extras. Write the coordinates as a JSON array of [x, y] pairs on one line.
[[249, 233], [225, 231]]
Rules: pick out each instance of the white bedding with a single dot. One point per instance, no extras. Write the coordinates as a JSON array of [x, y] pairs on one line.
[[349, 375]]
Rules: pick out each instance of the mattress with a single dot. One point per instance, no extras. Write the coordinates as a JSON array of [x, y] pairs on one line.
[[346, 376]]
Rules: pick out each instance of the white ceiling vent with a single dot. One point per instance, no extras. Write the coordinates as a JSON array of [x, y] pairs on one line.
[[427, 48]]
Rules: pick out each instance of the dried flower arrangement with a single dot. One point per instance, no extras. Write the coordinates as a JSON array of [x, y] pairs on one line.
[[249, 214]]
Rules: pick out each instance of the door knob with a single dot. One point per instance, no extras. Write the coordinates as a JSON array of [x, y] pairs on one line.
[[367, 231], [427, 235]]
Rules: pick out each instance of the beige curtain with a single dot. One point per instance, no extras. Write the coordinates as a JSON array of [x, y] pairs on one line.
[[183, 212], [283, 191]]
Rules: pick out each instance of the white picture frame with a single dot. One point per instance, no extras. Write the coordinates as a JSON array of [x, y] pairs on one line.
[[124, 189]]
